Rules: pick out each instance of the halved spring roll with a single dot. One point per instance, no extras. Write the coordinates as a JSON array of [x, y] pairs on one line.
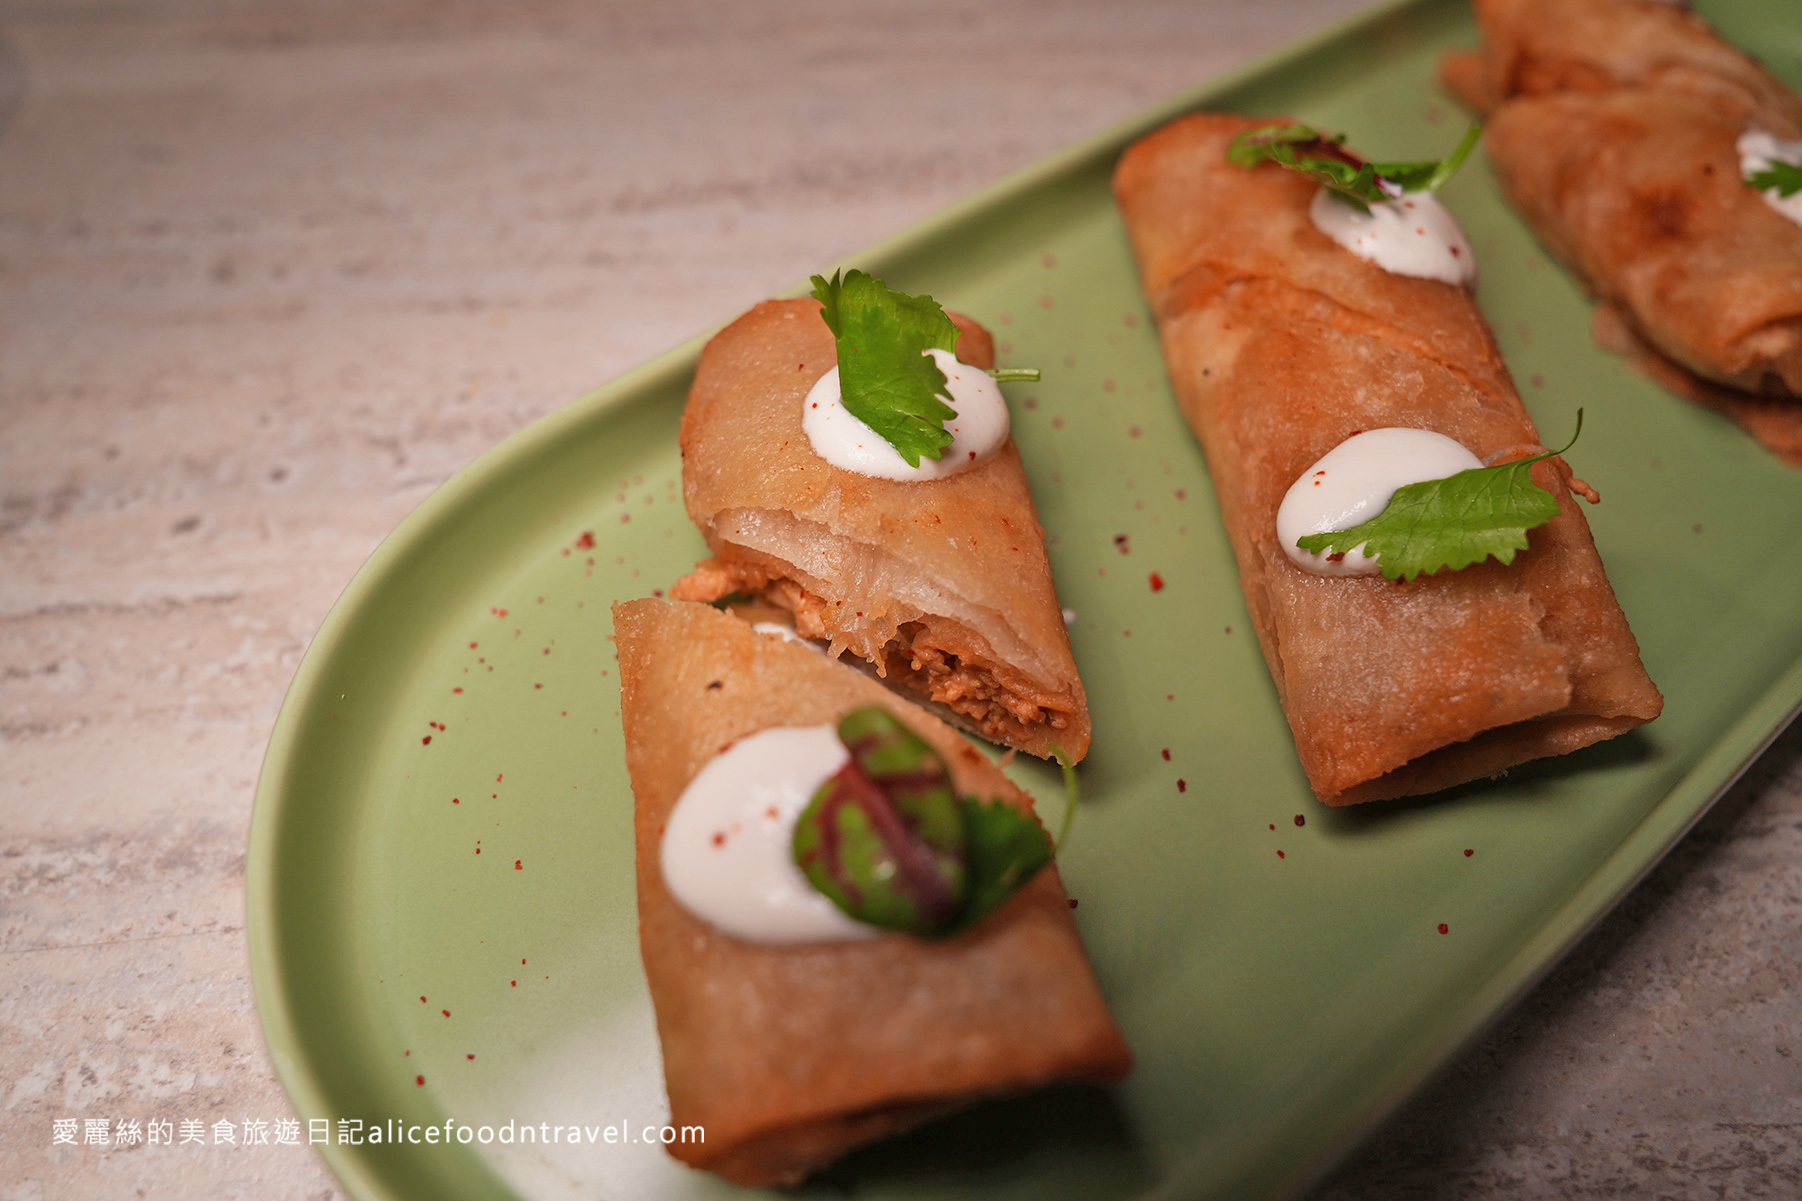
[[1280, 345], [788, 1056], [942, 585]]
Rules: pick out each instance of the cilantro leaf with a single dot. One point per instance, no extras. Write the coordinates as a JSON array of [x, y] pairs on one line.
[[1786, 178], [1346, 176], [886, 378], [1004, 849], [1451, 522]]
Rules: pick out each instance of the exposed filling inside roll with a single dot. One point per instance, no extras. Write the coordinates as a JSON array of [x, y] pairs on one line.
[[930, 656]]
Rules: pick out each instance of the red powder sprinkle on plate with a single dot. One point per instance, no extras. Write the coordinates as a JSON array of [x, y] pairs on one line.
[[1468, 852], [1300, 820], [445, 1012], [426, 741], [586, 541], [1072, 902], [469, 1057], [1280, 855], [422, 1000], [1166, 754], [1157, 582], [515, 984], [517, 867], [1444, 929], [1182, 786], [419, 1080]]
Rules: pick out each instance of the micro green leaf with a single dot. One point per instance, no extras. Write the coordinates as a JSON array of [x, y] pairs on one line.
[[1346, 176], [1453, 522], [886, 378], [1004, 849], [1786, 178]]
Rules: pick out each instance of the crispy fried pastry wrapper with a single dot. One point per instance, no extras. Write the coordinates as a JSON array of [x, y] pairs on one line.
[[1281, 345], [1541, 47], [941, 585], [789, 1056], [1612, 130]]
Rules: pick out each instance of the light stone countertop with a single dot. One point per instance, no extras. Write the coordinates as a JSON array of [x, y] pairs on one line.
[[270, 273]]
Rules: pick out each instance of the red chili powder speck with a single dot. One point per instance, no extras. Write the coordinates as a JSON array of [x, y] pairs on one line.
[[426, 741], [522, 963], [515, 984], [1166, 754], [1157, 582], [1182, 786], [1072, 902], [457, 689], [445, 1012], [517, 867], [1300, 820], [1280, 855], [419, 1080], [586, 541], [469, 1057], [501, 612], [1468, 852], [455, 801], [497, 778], [719, 840], [538, 685], [1444, 929], [472, 646], [422, 1000], [1273, 825]]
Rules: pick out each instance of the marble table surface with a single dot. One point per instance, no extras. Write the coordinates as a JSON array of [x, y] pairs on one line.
[[270, 272]]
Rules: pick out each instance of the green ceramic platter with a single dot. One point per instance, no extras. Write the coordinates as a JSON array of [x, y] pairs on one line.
[[1284, 985]]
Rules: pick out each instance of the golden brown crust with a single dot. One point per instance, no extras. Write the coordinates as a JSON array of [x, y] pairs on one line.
[[789, 1056], [1543, 47], [1612, 129], [963, 556], [1281, 345]]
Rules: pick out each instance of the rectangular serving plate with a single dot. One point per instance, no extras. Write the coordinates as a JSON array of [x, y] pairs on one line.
[[1280, 1006]]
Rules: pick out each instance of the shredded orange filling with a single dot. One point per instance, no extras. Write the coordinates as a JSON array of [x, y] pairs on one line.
[[921, 658]]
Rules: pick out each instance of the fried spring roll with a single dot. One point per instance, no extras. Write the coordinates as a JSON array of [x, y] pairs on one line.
[[789, 1056], [1613, 129], [1281, 345], [942, 585]]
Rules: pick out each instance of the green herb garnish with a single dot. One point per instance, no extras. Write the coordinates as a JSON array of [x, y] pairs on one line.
[[1346, 176], [1786, 178], [1453, 522], [890, 843], [886, 379]]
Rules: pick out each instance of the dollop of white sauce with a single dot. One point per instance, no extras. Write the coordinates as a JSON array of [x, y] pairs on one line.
[[978, 430], [1757, 151], [1353, 482], [1411, 235], [728, 853]]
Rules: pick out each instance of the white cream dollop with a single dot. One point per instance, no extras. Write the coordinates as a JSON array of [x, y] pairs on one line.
[[978, 430], [728, 853], [1757, 151], [1353, 482], [1412, 235]]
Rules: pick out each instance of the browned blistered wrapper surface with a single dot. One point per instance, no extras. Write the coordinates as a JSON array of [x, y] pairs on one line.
[[1612, 129], [789, 1056], [1280, 345], [942, 584]]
